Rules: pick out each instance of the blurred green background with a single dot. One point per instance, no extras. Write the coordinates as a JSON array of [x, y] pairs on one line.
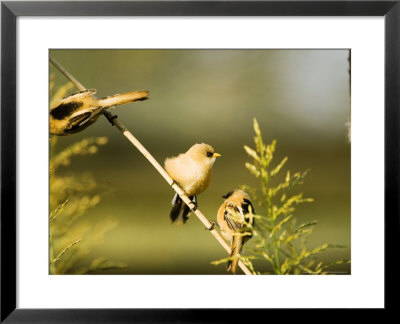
[[299, 97]]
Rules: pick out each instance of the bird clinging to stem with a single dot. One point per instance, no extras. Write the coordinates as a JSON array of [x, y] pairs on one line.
[[191, 171], [235, 219], [75, 112]]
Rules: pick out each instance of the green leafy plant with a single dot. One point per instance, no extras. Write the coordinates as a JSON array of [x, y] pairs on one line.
[[277, 239]]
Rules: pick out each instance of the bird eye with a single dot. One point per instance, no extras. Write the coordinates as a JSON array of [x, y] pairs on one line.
[[209, 154]]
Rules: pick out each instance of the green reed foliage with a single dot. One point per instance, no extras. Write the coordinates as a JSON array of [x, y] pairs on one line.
[[71, 237], [277, 239]]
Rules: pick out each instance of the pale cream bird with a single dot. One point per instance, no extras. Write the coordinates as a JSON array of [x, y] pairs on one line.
[[192, 172], [235, 218], [79, 110]]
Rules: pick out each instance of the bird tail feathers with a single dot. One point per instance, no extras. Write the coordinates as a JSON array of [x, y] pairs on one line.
[[180, 211], [123, 98], [237, 244]]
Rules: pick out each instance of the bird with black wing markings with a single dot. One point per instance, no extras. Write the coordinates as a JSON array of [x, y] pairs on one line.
[[235, 218], [77, 111]]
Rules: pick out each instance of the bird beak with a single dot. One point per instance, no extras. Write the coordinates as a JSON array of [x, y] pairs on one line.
[[216, 154]]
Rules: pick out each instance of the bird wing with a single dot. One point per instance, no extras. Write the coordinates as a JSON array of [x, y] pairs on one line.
[[65, 109], [71, 104], [234, 217], [248, 210], [82, 117], [239, 217]]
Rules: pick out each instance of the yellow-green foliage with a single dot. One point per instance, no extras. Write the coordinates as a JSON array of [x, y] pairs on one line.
[[71, 195], [277, 239]]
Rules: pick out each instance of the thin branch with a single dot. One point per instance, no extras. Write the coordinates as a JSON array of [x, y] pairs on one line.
[[58, 257], [115, 122], [67, 74], [55, 213]]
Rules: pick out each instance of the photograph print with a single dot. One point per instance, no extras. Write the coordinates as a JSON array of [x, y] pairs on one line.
[[200, 161]]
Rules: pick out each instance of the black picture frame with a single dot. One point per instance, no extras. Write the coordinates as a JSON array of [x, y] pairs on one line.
[[10, 10]]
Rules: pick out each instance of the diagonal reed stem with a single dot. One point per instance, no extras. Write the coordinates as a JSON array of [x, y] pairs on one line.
[[115, 122]]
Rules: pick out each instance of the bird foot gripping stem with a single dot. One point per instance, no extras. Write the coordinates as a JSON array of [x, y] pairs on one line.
[[213, 223], [110, 117], [194, 204]]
